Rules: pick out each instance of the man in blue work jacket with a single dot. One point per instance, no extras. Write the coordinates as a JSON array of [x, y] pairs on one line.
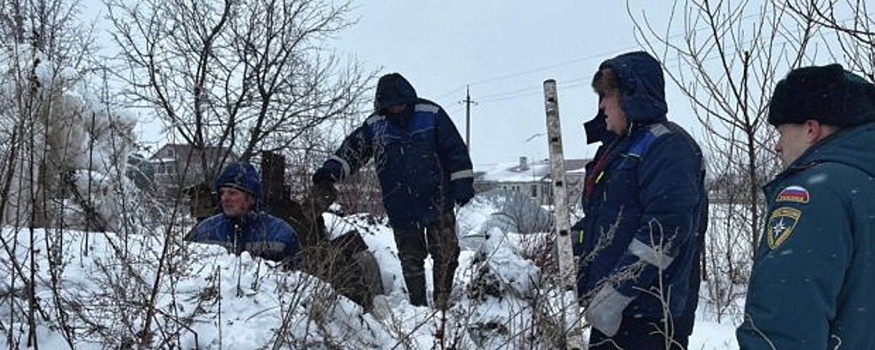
[[243, 225], [639, 240], [424, 171]]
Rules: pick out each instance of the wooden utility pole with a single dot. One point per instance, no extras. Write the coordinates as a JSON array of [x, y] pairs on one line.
[[468, 103], [563, 251]]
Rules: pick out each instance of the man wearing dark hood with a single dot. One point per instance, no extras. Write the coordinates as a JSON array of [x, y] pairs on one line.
[[814, 271], [243, 225], [643, 199], [424, 171]]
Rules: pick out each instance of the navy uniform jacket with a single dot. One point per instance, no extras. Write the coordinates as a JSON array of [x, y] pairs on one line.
[[642, 209], [813, 280]]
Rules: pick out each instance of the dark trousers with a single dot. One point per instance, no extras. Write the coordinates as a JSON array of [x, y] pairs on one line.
[[638, 333], [439, 240], [684, 323]]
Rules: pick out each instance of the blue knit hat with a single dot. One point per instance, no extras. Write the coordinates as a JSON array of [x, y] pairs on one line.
[[829, 94], [242, 176]]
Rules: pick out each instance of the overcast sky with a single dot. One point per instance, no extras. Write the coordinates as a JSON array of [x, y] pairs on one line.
[[504, 50]]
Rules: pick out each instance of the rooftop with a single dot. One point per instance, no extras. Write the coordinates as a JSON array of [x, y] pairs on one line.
[[524, 170]]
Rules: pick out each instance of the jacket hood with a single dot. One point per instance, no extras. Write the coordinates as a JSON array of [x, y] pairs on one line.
[[393, 90], [642, 89], [242, 176], [854, 147]]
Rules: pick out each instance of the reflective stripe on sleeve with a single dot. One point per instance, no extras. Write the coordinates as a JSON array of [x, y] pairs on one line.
[[265, 246], [343, 164], [462, 174], [426, 108], [647, 253]]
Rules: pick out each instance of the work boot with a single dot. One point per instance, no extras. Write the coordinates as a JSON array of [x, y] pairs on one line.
[[416, 290], [443, 287], [441, 300]]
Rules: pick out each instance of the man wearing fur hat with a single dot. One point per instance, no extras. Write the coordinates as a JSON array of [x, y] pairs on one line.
[[643, 201], [424, 171], [814, 272], [242, 225]]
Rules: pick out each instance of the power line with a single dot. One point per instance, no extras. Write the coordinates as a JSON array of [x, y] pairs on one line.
[[670, 61], [534, 70], [603, 54], [543, 68], [532, 91]]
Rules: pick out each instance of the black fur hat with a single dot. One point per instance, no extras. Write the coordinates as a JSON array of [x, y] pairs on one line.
[[829, 94]]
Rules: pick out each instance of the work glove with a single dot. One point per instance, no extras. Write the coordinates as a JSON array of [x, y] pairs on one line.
[[320, 198], [324, 177], [462, 192], [605, 311], [464, 199]]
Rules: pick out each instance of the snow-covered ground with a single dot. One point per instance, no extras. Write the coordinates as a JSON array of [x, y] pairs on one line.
[[203, 298]]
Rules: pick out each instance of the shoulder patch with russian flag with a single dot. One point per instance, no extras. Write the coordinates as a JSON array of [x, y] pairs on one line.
[[795, 194]]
